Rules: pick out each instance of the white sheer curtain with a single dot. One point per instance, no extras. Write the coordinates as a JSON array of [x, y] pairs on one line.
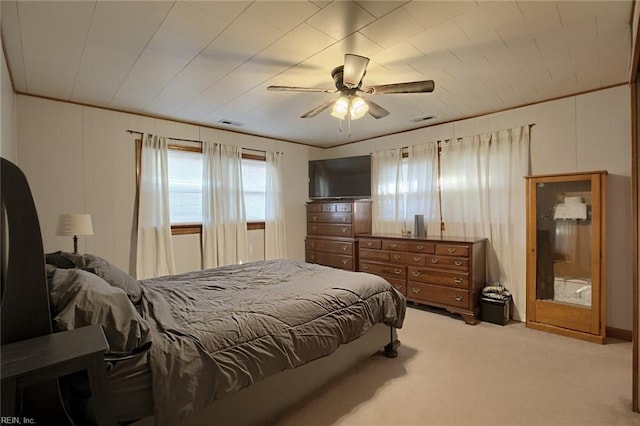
[[483, 195], [224, 224], [386, 192], [465, 186], [275, 245], [422, 187], [154, 255]]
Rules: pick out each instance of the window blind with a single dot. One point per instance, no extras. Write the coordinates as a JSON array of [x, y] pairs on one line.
[[185, 187]]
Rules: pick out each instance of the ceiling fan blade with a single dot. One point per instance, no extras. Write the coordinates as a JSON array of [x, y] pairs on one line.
[[299, 89], [376, 110], [354, 69], [317, 110], [410, 87]]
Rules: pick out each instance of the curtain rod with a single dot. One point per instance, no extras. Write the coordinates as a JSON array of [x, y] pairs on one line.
[[168, 137], [195, 141]]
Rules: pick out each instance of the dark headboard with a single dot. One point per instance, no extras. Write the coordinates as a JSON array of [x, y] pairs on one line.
[[25, 311]]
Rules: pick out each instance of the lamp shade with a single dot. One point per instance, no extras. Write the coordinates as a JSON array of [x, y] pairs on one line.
[[74, 224], [358, 108], [340, 107]]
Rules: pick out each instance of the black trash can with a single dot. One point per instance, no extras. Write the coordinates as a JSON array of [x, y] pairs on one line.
[[494, 310]]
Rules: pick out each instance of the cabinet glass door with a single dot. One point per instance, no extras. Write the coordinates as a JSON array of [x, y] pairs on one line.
[[564, 237], [563, 223]]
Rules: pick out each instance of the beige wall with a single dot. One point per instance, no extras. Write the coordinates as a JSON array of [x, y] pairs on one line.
[[574, 134], [8, 142], [82, 159]]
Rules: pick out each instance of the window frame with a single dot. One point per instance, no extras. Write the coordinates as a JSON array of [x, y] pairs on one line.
[[190, 229]]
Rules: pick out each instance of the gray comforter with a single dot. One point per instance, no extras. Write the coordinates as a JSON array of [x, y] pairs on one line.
[[219, 330]]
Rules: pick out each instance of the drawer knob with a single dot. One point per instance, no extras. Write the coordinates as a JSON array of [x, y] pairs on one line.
[[457, 280], [397, 286], [415, 290], [314, 218], [458, 262], [417, 258], [452, 250], [416, 274], [419, 247], [393, 245], [369, 243], [345, 220], [396, 256], [314, 228], [344, 248], [344, 230], [313, 257], [313, 244], [398, 271], [365, 266], [434, 260], [345, 261], [381, 255], [458, 298]]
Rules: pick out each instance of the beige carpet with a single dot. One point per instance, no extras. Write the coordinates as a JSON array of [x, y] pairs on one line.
[[449, 373]]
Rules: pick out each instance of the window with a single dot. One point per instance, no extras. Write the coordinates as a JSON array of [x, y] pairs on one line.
[[185, 189], [185, 186], [392, 189], [254, 182]]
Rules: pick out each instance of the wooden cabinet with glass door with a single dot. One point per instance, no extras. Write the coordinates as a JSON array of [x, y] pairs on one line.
[[566, 285]]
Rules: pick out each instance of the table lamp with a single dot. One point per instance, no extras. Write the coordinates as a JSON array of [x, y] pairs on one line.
[[74, 224]]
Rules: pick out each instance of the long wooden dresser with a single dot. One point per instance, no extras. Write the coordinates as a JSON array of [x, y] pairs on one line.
[[443, 272], [332, 227]]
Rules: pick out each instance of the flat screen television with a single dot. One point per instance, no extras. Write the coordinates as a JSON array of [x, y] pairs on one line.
[[348, 177]]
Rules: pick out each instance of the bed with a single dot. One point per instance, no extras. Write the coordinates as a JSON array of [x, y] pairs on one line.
[[236, 344]]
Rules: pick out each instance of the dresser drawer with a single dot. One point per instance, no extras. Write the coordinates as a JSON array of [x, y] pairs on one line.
[[329, 217], [411, 259], [452, 250], [421, 247], [438, 294], [400, 285], [370, 244], [330, 229], [394, 245], [344, 207], [430, 276], [336, 207], [330, 246], [314, 208], [368, 254], [330, 259], [447, 262], [381, 269]]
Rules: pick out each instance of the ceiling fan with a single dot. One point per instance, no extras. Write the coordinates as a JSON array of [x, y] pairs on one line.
[[348, 81]]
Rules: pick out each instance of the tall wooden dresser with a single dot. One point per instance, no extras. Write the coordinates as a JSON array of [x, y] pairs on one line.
[[332, 227], [443, 272]]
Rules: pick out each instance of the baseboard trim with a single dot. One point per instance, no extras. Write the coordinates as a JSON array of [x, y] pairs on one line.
[[619, 333]]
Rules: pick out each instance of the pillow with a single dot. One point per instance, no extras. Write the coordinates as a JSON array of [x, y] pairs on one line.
[[64, 260], [116, 277], [79, 298], [99, 266]]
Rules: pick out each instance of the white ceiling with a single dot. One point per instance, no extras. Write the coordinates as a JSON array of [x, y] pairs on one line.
[[206, 61]]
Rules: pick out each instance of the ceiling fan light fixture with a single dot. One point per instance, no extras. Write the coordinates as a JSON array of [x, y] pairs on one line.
[[340, 108], [358, 108]]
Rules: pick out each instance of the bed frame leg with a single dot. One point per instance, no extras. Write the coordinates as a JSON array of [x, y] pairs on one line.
[[391, 350]]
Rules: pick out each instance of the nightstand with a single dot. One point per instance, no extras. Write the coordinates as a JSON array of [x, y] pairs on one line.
[[29, 362]]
